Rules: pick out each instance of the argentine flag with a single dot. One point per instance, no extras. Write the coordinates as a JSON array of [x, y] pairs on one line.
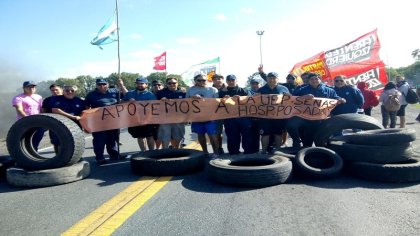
[[107, 34]]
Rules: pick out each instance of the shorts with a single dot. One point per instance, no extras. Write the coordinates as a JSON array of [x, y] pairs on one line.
[[167, 132], [271, 126], [209, 127], [401, 111], [142, 131]]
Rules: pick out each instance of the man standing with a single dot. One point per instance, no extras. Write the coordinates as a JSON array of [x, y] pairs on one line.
[[29, 103], [255, 85], [173, 133], [68, 104], [309, 127], [403, 87], [55, 90], [237, 129], [219, 84], [143, 133], [352, 95], [274, 127], [104, 96], [200, 91]]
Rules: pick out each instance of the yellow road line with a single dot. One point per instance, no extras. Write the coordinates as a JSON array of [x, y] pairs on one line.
[[113, 213]]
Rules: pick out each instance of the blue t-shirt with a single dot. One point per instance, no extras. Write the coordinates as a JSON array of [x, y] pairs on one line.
[[279, 89], [139, 95], [96, 99], [73, 106]]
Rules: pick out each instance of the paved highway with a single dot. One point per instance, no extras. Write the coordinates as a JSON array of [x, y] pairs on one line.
[[193, 205]]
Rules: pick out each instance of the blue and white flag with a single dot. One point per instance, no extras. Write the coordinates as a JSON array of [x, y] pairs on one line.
[[107, 34]]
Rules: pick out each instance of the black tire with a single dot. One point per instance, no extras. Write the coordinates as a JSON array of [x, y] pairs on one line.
[[43, 178], [5, 163], [262, 171], [69, 134], [337, 123], [380, 137], [372, 154], [408, 171], [318, 162], [289, 152], [168, 162]]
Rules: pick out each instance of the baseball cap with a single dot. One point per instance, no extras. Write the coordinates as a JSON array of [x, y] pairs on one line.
[[28, 83], [142, 80], [101, 81], [254, 81], [291, 76], [273, 74], [217, 76], [231, 77]]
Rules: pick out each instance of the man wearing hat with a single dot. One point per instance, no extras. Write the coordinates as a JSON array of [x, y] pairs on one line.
[[274, 127], [29, 103], [255, 85], [143, 133], [219, 84], [104, 96]]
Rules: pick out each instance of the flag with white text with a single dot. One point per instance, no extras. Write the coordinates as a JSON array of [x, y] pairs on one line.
[[160, 62]]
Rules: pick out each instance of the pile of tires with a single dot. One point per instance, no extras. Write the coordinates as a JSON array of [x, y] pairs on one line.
[[32, 169], [384, 155]]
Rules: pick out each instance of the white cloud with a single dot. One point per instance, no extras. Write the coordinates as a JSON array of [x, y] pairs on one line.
[[247, 10], [156, 45], [136, 36], [220, 17], [187, 41]]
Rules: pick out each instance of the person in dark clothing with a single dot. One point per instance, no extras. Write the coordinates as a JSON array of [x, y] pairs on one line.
[[290, 82], [104, 96], [352, 95], [56, 90], [274, 127], [294, 124], [237, 129]]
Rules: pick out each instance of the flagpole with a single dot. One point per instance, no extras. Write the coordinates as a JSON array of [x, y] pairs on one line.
[[118, 41], [119, 71]]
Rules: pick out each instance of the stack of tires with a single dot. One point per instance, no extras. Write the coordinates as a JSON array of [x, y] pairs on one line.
[[32, 169], [381, 155]]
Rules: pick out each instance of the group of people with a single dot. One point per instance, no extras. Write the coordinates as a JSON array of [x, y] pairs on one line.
[[246, 132]]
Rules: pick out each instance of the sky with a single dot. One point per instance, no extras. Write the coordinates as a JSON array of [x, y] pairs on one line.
[[48, 39]]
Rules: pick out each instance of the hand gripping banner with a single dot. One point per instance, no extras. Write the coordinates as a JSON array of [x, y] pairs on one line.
[[268, 106]]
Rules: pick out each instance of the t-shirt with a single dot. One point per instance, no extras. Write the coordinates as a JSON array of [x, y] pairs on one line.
[[205, 92], [138, 95], [31, 104], [96, 99], [73, 106]]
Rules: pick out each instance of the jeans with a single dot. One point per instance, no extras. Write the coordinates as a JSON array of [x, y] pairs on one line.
[[387, 116]]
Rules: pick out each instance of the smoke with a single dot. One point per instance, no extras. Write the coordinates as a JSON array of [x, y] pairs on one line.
[[12, 76]]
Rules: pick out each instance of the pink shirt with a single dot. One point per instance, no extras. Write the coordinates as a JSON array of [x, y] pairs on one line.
[[31, 103]]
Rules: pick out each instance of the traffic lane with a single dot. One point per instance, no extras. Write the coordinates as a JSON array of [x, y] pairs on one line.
[[193, 205], [52, 210]]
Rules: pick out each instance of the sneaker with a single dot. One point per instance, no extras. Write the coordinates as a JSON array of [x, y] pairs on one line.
[[101, 162]]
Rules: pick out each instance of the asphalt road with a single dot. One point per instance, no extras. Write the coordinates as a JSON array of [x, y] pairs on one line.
[[193, 205]]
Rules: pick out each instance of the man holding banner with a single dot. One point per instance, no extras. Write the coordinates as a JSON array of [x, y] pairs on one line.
[[201, 91], [309, 127]]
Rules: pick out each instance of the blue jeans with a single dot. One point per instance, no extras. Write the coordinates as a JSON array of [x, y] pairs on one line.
[[387, 116]]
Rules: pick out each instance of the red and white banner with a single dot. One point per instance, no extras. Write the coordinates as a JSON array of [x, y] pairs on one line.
[[160, 62], [358, 60]]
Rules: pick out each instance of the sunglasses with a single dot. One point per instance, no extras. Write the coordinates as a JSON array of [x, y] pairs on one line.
[[338, 80], [69, 90], [101, 84], [171, 83], [157, 85]]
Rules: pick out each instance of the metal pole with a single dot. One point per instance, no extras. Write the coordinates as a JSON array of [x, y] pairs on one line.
[[260, 33]]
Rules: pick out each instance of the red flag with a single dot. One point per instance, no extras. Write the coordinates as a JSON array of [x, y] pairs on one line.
[[160, 62]]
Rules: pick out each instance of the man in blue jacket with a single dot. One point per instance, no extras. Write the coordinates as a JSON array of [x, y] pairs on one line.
[[294, 124], [354, 97]]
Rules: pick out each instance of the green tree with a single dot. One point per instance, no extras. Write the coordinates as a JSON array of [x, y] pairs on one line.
[[129, 79], [416, 54]]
